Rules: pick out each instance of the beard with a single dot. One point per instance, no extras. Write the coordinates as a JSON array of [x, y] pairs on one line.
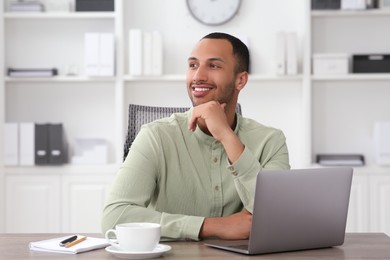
[[225, 97], [228, 93]]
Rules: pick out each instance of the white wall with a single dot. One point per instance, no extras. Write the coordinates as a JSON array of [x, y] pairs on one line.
[[257, 20], [274, 103]]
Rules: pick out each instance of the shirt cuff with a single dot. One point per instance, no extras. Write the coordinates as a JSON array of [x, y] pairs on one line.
[[180, 227], [193, 226], [245, 163]]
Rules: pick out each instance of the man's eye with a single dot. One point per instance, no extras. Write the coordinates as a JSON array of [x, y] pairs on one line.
[[214, 66], [192, 65]]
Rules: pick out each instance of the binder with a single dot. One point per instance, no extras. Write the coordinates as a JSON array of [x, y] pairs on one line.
[[157, 54], [57, 144], [106, 54], [292, 53], [26, 144], [135, 52], [91, 54], [147, 53], [41, 144], [280, 54], [95, 5], [10, 144]]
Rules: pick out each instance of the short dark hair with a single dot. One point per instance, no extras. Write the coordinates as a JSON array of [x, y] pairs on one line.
[[240, 50]]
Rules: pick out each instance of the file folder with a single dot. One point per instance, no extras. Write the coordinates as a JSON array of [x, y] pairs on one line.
[[41, 144], [91, 54], [27, 143], [10, 144], [292, 53], [135, 52], [157, 53], [147, 53], [280, 49], [106, 63], [57, 144]]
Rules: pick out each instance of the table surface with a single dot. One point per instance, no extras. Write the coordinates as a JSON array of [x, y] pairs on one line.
[[356, 246]]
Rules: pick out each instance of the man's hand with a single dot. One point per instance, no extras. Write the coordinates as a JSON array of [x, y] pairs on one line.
[[211, 118], [233, 227]]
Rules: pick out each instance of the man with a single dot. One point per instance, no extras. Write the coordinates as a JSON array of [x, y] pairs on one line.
[[195, 172]]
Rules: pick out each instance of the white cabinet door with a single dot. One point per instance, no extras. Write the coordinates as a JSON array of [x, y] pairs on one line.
[[380, 204], [83, 201], [358, 215], [32, 204]]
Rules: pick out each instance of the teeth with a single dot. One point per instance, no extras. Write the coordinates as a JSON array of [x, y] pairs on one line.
[[201, 89]]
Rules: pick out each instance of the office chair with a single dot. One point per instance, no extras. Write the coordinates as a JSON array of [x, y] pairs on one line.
[[140, 115]]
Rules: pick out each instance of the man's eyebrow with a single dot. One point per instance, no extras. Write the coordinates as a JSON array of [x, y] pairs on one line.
[[210, 59], [216, 59]]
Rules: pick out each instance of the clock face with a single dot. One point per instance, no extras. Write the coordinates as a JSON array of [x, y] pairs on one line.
[[213, 12]]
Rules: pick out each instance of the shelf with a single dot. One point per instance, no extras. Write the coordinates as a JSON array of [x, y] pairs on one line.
[[352, 77], [372, 170], [172, 77], [182, 77], [65, 169], [62, 79], [349, 13], [60, 15], [259, 77]]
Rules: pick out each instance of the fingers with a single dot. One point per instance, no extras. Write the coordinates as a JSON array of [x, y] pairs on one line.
[[203, 111], [192, 123]]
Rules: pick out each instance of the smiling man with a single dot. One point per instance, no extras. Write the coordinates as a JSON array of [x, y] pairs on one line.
[[195, 172]]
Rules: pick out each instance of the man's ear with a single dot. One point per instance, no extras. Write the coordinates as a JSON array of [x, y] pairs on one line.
[[241, 80]]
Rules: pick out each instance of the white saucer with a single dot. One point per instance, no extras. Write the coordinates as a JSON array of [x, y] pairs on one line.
[[158, 251]]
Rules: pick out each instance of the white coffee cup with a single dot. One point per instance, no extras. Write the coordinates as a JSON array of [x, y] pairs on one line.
[[135, 237]]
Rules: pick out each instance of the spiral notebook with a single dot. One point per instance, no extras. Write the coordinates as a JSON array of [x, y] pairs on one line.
[[52, 245]]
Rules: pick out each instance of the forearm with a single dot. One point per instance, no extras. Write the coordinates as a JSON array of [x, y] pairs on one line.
[[233, 146], [233, 227], [173, 226]]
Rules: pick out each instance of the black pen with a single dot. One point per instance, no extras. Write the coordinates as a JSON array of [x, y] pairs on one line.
[[68, 240]]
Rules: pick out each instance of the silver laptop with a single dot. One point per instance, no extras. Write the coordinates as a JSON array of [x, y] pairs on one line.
[[296, 210]]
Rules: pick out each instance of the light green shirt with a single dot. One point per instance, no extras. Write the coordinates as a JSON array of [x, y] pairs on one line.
[[176, 177]]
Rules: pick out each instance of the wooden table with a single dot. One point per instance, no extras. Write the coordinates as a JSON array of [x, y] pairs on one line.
[[356, 246]]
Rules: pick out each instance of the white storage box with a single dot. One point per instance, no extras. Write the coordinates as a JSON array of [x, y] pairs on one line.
[[330, 64], [90, 151]]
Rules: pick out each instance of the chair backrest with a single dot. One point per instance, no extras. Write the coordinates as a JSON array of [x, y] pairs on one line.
[[140, 115]]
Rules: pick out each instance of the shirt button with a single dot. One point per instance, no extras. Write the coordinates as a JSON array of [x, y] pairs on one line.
[[235, 173], [230, 168], [216, 188], [215, 159]]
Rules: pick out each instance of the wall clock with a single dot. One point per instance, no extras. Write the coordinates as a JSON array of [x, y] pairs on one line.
[[213, 12]]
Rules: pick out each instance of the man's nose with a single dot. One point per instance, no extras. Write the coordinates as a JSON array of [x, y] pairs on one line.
[[200, 74]]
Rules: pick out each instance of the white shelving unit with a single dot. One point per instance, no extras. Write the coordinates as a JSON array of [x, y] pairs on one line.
[[345, 108], [319, 114]]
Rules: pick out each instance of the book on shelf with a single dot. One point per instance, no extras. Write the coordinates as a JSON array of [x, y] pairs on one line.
[[340, 159], [26, 73], [26, 6]]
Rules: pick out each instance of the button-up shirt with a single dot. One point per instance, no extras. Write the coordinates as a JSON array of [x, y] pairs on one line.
[[177, 177]]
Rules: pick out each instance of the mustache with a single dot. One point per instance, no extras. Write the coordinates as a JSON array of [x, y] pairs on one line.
[[202, 83]]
